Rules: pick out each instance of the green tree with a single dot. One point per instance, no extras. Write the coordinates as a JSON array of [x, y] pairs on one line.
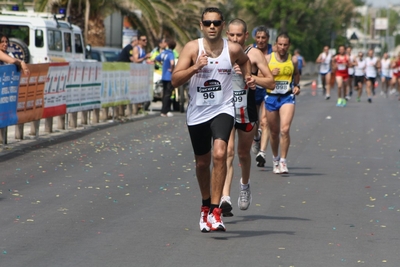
[[157, 18], [311, 24]]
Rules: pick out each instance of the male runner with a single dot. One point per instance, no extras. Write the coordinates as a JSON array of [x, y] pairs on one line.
[[246, 117], [350, 71], [359, 74], [396, 74], [207, 62], [385, 74], [372, 66], [261, 139], [325, 59], [341, 64], [280, 100]]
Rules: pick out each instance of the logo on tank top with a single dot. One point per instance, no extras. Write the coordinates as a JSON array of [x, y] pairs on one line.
[[204, 73], [225, 71], [287, 71], [209, 94]]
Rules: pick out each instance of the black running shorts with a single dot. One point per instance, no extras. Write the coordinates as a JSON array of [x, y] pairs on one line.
[[203, 134]]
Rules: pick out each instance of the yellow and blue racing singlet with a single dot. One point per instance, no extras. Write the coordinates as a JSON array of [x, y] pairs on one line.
[[284, 80]]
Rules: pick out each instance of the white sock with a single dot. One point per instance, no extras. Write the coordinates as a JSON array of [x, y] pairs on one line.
[[276, 158], [244, 186], [283, 160]]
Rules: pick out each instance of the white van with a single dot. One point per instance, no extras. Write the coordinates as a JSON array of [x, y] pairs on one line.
[[42, 37]]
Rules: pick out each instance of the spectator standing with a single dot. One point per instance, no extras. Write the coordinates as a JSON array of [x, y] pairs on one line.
[[8, 58], [167, 59], [127, 52], [139, 51]]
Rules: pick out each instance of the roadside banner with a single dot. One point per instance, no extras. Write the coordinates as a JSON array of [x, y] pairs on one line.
[[90, 87], [114, 88], [141, 83], [30, 95], [55, 97], [107, 97], [74, 87], [9, 82]]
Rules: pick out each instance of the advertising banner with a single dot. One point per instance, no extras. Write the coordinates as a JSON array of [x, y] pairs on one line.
[[30, 95], [55, 96], [114, 88], [90, 87], [9, 82], [141, 83]]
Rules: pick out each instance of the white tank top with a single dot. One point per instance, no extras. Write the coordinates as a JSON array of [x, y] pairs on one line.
[[350, 70], [210, 89], [359, 69], [385, 67], [326, 63], [370, 70]]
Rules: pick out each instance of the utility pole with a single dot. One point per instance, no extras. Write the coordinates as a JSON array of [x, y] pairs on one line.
[[387, 29], [365, 29]]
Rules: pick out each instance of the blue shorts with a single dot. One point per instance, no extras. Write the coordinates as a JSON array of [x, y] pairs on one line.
[[275, 102], [260, 95]]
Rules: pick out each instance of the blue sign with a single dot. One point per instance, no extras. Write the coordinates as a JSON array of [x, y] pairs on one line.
[[9, 84]]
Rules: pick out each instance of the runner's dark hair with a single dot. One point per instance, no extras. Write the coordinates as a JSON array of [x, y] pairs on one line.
[[263, 29], [283, 35], [212, 10]]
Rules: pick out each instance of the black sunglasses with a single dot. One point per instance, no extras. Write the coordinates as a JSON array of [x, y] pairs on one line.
[[208, 23]]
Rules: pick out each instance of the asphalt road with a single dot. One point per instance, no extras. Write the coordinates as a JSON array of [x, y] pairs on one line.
[[125, 194]]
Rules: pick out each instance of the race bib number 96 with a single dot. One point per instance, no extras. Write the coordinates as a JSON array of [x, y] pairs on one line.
[[209, 94]]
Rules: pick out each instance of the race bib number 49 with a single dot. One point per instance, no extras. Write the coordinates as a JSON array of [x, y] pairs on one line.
[[209, 94]]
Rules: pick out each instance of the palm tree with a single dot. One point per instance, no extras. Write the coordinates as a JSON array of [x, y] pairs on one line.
[[159, 18]]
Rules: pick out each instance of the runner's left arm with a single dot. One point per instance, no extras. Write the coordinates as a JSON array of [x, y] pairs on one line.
[[296, 76], [239, 57], [257, 58]]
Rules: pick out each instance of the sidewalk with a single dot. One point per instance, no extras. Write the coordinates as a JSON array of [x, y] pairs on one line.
[[306, 80], [30, 140]]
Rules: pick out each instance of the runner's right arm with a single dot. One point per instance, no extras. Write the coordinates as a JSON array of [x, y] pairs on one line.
[[188, 64]]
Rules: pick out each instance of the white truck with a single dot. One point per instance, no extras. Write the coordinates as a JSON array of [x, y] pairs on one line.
[[42, 37]]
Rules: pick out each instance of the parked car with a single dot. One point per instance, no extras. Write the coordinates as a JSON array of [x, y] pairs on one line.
[[104, 54]]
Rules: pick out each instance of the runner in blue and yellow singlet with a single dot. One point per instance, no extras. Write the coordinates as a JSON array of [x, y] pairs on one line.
[[280, 101]]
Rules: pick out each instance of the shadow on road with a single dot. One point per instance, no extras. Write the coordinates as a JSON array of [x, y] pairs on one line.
[[263, 217], [245, 234]]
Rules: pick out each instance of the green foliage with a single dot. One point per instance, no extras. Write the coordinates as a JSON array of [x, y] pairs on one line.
[[309, 23], [397, 40]]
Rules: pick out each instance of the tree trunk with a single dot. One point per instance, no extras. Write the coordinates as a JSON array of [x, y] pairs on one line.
[[80, 7], [68, 9], [87, 12]]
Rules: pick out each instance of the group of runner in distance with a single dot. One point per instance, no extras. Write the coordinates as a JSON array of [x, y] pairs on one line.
[[353, 71]]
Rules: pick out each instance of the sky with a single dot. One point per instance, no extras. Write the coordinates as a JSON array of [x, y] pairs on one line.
[[382, 3]]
